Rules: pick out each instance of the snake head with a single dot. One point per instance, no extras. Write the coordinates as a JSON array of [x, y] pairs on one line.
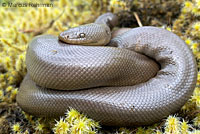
[[89, 34]]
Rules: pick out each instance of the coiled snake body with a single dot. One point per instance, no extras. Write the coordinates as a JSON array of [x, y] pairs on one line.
[[142, 76]]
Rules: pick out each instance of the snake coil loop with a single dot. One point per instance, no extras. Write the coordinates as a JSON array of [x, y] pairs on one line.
[[149, 74]]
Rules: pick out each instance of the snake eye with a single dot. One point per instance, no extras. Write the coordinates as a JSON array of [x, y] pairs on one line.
[[82, 35], [107, 32]]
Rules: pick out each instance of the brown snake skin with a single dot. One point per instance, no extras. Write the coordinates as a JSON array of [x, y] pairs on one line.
[[118, 86]]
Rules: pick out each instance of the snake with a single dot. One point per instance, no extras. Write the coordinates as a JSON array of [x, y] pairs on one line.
[[137, 77]]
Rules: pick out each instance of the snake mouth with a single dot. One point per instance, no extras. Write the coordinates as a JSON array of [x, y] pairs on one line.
[[72, 40], [62, 39], [65, 39]]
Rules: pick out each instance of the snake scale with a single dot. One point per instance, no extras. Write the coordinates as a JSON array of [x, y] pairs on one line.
[[138, 78]]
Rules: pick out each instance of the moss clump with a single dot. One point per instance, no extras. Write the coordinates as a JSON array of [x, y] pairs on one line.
[[74, 122]]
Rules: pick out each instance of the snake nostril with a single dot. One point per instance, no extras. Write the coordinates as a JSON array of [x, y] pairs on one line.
[[66, 37]]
